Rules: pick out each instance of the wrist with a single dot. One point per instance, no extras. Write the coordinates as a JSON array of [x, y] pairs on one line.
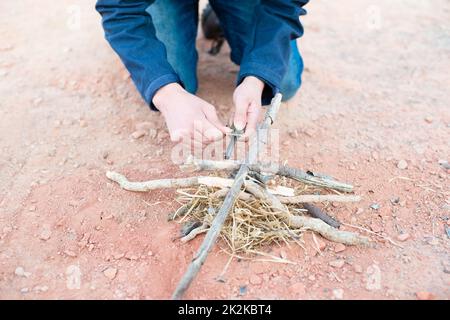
[[165, 94], [255, 82]]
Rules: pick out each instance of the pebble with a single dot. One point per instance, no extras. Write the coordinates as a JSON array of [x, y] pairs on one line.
[[45, 234], [338, 294], [294, 133], [321, 244], [152, 133], [255, 279], [138, 134], [37, 101], [83, 123], [425, 295], [402, 164], [375, 206], [70, 253], [24, 290], [373, 278], [339, 263], [110, 273], [41, 288], [403, 237], [32, 208], [73, 277], [159, 152], [339, 247], [20, 272], [429, 119], [358, 268]]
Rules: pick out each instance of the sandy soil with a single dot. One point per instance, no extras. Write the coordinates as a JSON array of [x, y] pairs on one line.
[[375, 92]]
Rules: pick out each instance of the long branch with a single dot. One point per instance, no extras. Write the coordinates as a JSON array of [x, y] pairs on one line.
[[193, 164]]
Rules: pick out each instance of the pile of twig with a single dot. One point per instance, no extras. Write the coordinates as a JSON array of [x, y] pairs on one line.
[[253, 221]]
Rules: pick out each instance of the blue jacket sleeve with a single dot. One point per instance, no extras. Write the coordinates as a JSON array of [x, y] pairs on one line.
[[129, 30], [276, 23]]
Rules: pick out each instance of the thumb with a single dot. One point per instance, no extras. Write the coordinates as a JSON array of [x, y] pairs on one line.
[[211, 116], [240, 117]]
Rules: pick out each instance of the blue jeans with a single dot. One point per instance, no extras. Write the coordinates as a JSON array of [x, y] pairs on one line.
[[176, 24]]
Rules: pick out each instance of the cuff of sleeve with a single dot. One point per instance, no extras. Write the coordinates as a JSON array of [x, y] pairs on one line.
[[156, 84], [266, 75]]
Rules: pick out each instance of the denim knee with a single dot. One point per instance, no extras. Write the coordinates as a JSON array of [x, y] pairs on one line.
[[293, 79]]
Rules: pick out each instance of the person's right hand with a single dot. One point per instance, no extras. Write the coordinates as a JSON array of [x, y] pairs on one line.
[[188, 118]]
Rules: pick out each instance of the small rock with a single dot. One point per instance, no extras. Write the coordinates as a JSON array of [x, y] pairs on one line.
[[403, 237], [152, 133], [376, 227], [294, 133], [321, 244], [429, 119], [41, 289], [425, 295], [358, 268], [402, 164], [338, 294], [444, 164], [255, 279], [37, 101], [118, 256], [159, 152], [339, 247], [20, 272], [375, 155], [373, 278], [83, 123], [70, 253], [32, 208], [138, 134], [339, 263], [45, 234], [375, 206], [24, 290], [283, 254], [110, 273]]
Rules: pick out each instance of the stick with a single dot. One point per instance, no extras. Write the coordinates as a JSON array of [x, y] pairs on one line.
[[228, 202], [318, 213], [304, 198], [218, 182], [314, 224], [319, 198], [192, 164], [145, 186]]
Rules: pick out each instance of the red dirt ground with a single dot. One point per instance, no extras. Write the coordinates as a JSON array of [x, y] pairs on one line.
[[375, 92]]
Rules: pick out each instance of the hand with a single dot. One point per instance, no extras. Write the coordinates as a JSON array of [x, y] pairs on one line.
[[247, 102], [188, 117]]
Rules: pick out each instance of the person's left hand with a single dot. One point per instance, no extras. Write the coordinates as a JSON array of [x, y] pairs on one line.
[[247, 102]]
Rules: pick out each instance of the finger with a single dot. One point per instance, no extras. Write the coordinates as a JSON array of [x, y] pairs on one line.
[[211, 133], [240, 117], [211, 116], [252, 118], [178, 135]]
